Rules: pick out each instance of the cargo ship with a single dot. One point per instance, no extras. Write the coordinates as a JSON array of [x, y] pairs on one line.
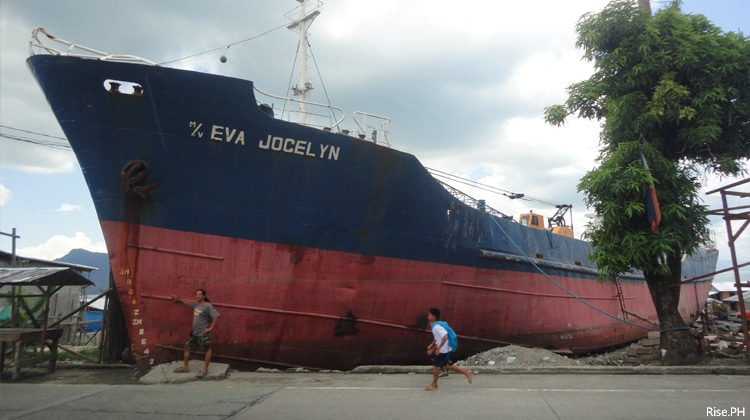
[[321, 248]]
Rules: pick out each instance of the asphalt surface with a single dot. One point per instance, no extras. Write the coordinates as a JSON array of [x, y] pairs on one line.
[[380, 392]]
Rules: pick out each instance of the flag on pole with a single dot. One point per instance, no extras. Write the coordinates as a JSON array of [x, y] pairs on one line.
[[652, 203]]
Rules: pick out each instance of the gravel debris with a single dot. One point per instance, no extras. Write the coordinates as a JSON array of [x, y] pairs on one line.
[[513, 355]]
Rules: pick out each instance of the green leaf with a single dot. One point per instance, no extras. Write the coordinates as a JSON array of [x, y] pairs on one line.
[[675, 88]]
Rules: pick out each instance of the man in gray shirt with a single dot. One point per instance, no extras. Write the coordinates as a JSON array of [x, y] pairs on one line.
[[204, 320]]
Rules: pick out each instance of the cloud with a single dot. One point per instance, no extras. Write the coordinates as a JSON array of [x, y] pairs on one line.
[[5, 195], [59, 246], [38, 160], [65, 208]]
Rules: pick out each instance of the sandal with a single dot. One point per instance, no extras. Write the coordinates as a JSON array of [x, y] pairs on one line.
[[429, 387], [200, 374], [180, 370]]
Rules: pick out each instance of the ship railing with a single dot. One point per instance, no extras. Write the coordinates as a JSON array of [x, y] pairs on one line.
[[380, 131], [710, 240], [470, 201], [324, 117], [36, 45]]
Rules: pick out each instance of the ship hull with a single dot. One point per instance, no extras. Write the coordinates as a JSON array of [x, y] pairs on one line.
[[318, 249]]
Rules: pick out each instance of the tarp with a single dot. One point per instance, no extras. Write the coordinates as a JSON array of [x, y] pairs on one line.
[[94, 321]]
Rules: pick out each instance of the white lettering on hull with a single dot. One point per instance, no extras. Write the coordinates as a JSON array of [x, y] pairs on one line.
[[219, 133], [222, 134], [298, 147], [226, 134]]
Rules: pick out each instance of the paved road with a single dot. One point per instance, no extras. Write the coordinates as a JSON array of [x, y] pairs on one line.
[[261, 395]]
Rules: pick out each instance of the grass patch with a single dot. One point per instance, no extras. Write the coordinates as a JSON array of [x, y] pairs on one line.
[[62, 355], [91, 353]]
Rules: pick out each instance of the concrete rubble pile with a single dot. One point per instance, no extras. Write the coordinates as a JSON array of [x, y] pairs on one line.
[[716, 340]]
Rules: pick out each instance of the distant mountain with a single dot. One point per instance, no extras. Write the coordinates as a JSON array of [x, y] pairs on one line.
[[99, 260]]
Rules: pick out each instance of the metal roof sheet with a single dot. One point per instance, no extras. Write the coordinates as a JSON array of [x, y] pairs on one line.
[[4, 255], [42, 276]]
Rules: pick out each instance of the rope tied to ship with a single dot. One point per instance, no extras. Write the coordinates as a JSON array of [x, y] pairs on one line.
[[573, 295]]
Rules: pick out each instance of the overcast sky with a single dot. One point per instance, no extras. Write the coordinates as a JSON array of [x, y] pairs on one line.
[[465, 87]]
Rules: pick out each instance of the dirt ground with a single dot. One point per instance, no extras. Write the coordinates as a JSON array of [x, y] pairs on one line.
[[70, 374], [73, 373]]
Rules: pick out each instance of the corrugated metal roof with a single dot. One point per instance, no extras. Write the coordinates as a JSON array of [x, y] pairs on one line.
[[723, 286], [42, 276], [736, 298], [38, 261]]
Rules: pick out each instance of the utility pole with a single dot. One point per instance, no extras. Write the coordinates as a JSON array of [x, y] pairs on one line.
[[13, 252], [645, 5]]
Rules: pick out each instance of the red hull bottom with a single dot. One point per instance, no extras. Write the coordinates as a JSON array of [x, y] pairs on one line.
[[285, 306]]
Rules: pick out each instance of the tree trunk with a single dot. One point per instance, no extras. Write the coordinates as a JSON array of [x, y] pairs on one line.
[[676, 338]]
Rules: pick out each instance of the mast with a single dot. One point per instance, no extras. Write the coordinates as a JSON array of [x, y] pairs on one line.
[[300, 26]]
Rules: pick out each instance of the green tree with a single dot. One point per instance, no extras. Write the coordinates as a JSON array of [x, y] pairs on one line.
[[674, 89]]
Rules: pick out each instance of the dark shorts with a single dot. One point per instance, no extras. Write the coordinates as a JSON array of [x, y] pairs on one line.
[[199, 343], [440, 360]]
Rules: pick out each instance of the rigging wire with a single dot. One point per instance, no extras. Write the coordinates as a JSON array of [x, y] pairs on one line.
[[224, 47], [289, 86], [573, 295], [317, 69], [490, 188], [466, 181]]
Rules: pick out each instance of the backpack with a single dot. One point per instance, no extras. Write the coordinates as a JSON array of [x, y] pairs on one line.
[[452, 337]]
